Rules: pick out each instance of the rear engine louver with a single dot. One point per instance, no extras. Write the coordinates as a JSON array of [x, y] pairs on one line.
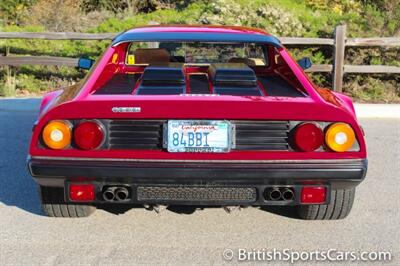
[[135, 134], [148, 135], [262, 135]]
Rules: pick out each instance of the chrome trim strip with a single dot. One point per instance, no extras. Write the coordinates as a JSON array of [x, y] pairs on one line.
[[197, 161]]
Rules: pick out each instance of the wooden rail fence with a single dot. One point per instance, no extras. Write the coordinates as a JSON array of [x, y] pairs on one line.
[[338, 43]]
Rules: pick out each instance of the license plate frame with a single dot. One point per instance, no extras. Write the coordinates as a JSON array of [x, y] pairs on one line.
[[224, 127]]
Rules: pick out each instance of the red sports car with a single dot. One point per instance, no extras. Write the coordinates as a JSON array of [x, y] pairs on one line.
[[197, 115]]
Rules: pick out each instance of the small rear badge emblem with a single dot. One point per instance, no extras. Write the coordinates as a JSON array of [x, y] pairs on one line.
[[126, 109]]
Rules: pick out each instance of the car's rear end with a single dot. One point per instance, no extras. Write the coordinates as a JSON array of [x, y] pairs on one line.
[[225, 118]]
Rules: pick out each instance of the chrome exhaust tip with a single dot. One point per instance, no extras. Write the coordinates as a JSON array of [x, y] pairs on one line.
[[274, 194], [287, 194], [108, 194], [121, 194]]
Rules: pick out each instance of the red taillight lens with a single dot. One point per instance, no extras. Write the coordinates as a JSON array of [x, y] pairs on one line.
[[308, 137], [313, 195], [81, 192], [88, 135]]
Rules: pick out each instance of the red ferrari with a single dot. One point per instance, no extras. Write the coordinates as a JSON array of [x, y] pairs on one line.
[[197, 115]]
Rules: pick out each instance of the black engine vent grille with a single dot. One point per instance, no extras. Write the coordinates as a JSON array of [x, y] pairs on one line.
[[193, 194], [148, 135], [135, 134], [261, 135]]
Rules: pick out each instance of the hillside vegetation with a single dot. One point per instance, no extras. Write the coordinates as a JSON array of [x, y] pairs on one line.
[[296, 18]]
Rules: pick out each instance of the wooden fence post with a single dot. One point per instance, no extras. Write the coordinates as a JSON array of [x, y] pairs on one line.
[[338, 59]]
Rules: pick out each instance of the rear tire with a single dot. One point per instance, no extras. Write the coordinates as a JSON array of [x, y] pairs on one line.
[[338, 208], [54, 205]]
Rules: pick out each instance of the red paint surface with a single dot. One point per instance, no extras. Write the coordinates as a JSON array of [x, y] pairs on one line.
[[85, 105]]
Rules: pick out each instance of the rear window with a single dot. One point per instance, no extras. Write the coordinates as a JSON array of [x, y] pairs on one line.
[[202, 68], [196, 53]]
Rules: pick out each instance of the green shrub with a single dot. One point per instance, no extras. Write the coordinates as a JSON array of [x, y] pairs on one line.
[[12, 11], [376, 88], [7, 82]]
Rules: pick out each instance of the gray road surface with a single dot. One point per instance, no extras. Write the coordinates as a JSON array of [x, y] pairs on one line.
[[183, 235]]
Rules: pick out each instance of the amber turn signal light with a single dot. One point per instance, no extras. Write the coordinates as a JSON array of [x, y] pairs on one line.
[[57, 134], [340, 137]]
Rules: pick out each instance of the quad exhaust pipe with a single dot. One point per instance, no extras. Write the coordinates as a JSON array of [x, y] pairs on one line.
[[121, 194], [275, 194], [108, 194], [279, 194], [287, 194], [115, 194]]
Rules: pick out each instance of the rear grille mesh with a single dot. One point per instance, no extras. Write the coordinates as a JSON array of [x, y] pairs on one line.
[[148, 135], [187, 193]]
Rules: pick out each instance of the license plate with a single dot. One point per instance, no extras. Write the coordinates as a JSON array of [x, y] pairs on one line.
[[198, 136]]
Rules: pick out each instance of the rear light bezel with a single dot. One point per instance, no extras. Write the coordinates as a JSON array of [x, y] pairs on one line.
[[99, 124], [324, 125], [73, 124]]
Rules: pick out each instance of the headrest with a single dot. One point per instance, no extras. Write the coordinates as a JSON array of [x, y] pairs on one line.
[[162, 79], [164, 72], [151, 55], [232, 73]]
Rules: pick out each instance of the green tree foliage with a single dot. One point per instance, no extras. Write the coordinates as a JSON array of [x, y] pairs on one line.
[[134, 6], [11, 10], [391, 18]]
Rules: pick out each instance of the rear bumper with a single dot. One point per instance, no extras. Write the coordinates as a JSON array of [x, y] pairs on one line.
[[334, 174], [145, 171]]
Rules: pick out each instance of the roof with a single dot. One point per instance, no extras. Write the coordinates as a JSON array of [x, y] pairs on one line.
[[198, 33]]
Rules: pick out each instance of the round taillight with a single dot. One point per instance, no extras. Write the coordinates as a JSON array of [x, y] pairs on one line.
[[308, 137], [57, 134], [340, 137], [88, 135]]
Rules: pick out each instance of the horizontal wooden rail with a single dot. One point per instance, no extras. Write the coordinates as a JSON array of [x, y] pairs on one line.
[[38, 60], [320, 68], [384, 41], [372, 69], [57, 35], [305, 41]]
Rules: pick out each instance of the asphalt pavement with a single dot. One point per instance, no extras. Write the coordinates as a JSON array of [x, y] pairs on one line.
[[186, 235]]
